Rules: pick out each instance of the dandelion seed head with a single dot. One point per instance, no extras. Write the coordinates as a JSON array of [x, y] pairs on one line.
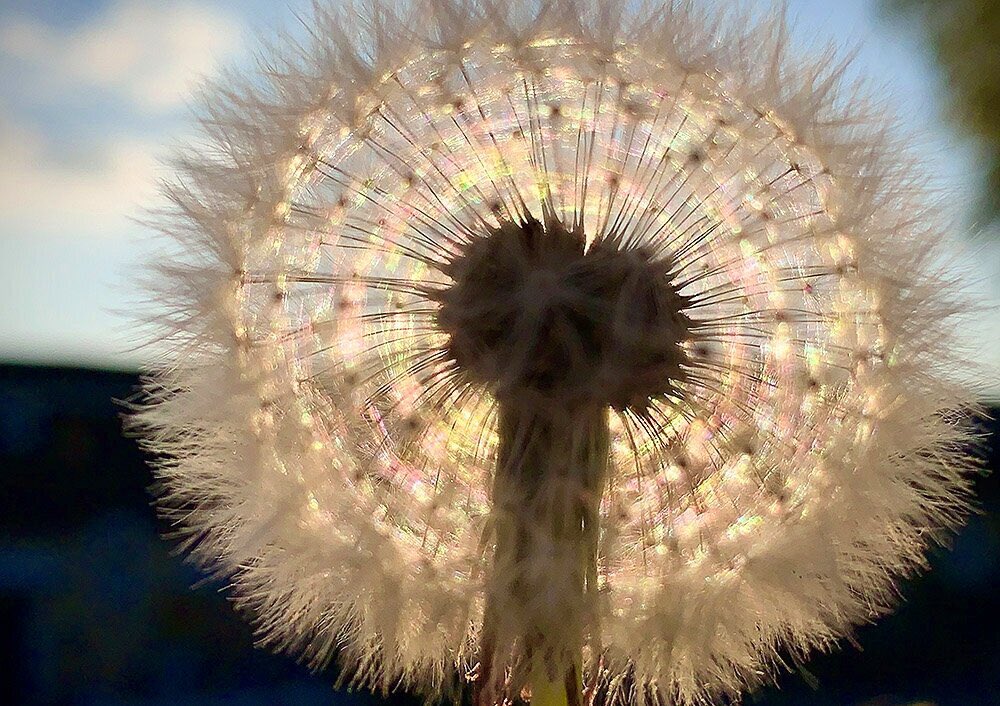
[[657, 216]]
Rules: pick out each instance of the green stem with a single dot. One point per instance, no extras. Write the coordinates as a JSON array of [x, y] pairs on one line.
[[546, 691]]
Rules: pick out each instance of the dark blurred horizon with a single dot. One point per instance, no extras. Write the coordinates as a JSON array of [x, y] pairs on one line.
[[98, 609]]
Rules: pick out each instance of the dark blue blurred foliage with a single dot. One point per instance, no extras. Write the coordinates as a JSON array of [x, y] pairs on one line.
[[97, 609]]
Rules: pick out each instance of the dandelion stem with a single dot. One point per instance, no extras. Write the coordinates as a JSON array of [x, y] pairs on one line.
[[551, 469], [546, 691]]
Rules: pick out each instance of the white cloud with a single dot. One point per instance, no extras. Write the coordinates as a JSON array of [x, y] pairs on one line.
[[150, 52], [92, 189], [76, 177]]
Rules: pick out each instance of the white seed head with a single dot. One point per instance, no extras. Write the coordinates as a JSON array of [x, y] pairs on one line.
[[651, 217]]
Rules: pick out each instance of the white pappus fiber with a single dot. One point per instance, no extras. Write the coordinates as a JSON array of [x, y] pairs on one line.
[[687, 281]]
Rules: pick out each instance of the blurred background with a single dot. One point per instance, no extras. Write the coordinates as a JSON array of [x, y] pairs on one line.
[[95, 608]]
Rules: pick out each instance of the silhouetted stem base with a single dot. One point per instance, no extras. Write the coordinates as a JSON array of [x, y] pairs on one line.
[[550, 474]]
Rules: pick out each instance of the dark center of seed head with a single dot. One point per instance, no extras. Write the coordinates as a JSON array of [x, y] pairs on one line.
[[540, 319]]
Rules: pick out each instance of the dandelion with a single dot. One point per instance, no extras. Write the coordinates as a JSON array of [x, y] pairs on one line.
[[561, 348]]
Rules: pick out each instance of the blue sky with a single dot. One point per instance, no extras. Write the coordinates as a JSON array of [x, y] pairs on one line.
[[93, 93]]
